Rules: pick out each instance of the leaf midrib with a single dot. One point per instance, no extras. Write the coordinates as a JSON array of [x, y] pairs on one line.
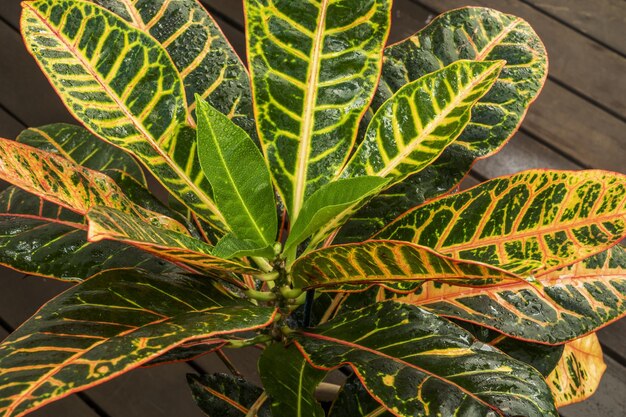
[[78, 56], [309, 112]]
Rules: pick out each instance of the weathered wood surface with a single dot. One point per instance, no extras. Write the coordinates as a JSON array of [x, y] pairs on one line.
[[579, 121]]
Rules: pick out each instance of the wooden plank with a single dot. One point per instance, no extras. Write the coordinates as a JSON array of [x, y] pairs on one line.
[[10, 11], [577, 128], [604, 20], [9, 127], [609, 400], [575, 59]]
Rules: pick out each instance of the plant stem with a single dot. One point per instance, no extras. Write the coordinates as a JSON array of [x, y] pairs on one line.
[[257, 405], [333, 306], [237, 344], [260, 296], [263, 263], [228, 363]]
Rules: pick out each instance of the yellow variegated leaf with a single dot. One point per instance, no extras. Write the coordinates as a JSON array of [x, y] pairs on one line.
[[578, 373], [415, 126], [314, 68], [105, 223], [532, 222], [387, 261], [123, 86], [70, 185], [552, 308]]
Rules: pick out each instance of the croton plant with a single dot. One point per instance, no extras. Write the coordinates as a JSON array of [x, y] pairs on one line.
[[314, 213]]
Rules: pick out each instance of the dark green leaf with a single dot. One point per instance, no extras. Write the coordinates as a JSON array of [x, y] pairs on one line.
[[220, 395], [354, 400], [290, 382], [110, 324], [416, 363]]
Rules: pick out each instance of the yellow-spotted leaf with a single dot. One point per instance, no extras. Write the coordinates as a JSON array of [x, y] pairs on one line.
[[112, 324], [473, 33], [181, 249], [387, 261], [207, 63], [413, 128], [123, 86], [415, 363], [554, 308], [78, 145], [314, 67], [67, 184], [578, 373], [531, 222]]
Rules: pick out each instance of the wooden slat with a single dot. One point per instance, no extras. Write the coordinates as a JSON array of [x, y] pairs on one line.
[[9, 127], [608, 401], [604, 20], [574, 59]]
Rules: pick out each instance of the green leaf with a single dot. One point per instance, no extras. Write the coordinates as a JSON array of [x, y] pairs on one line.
[[329, 207], [41, 238], [413, 128], [109, 325], [78, 145], [543, 358], [207, 63], [354, 400], [220, 395], [187, 352], [314, 67], [387, 261], [473, 33], [123, 86], [68, 184], [240, 179], [175, 247], [230, 247], [548, 219], [554, 308], [290, 382], [415, 363]]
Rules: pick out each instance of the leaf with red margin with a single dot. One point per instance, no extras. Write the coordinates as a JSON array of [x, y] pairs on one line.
[[555, 308], [109, 224], [109, 325], [380, 261], [532, 222], [415, 363], [578, 374], [221, 395], [68, 184], [473, 33]]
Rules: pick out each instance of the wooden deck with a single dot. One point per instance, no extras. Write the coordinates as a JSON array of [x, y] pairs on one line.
[[578, 122]]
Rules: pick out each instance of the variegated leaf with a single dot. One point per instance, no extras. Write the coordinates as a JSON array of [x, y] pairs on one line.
[[354, 400], [78, 145], [290, 382], [314, 66], [41, 238], [67, 184], [473, 33], [220, 395], [415, 363], [555, 308], [207, 63], [578, 374], [123, 86], [111, 324], [423, 118], [109, 224], [532, 222], [387, 261]]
